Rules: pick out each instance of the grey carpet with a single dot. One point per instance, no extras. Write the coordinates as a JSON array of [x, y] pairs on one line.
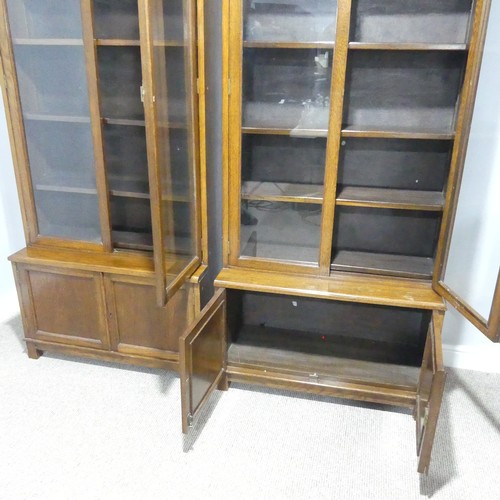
[[74, 429]]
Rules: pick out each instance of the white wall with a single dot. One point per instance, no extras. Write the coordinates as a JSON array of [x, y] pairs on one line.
[[11, 229]]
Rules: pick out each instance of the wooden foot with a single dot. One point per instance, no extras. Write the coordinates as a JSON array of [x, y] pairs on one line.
[[223, 384], [33, 352]]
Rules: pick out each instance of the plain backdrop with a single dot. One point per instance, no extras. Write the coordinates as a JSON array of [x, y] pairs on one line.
[[465, 346]]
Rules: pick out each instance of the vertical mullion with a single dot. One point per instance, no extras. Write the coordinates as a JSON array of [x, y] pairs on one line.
[[152, 151], [334, 133], [235, 125], [96, 122]]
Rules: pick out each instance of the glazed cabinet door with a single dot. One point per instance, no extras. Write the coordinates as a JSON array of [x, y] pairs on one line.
[[429, 392], [468, 273], [202, 358], [168, 32], [50, 108]]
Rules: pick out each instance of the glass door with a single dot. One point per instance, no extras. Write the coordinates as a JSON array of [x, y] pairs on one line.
[[50, 66], [170, 101], [281, 55]]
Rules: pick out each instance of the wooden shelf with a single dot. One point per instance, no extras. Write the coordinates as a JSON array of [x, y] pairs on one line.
[[285, 131], [56, 118], [331, 358], [385, 264], [408, 46], [129, 194], [403, 199], [117, 42], [130, 240], [125, 122], [65, 189], [169, 43], [287, 45], [282, 192], [397, 133], [62, 42]]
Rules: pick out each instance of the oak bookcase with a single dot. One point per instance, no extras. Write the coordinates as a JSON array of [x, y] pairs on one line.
[[345, 132]]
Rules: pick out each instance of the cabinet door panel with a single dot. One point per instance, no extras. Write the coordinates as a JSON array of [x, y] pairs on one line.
[[202, 358], [168, 30], [430, 392], [141, 327], [469, 256], [64, 306]]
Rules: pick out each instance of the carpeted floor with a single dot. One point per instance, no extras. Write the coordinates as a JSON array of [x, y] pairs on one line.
[[72, 429]]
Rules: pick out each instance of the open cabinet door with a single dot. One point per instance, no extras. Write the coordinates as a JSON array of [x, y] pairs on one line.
[[468, 260], [202, 358], [169, 91], [429, 392]]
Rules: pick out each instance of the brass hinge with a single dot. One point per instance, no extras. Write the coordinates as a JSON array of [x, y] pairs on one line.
[[190, 420], [143, 93], [198, 89], [228, 247]]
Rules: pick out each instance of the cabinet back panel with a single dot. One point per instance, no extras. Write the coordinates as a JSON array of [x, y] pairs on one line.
[[286, 20], [406, 21], [68, 215], [130, 214], [406, 89], [120, 78], [397, 232], [60, 154], [116, 19], [283, 159], [52, 80], [393, 163], [284, 88], [45, 18], [322, 326]]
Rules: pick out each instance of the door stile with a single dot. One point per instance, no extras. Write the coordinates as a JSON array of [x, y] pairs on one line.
[[235, 91], [340, 56], [89, 46]]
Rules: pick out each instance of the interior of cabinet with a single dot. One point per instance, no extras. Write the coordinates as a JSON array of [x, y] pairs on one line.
[[409, 91], [411, 21], [326, 339], [116, 19], [290, 21], [286, 89]]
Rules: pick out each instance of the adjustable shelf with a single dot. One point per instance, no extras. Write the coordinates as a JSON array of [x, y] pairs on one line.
[[56, 118], [398, 133], [407, 46], [124, 122], [49, 41], [258, 44], [294, 132], [65, 189], [117, 42], [282, 192], [129, 240], [403, 266], [403, 199]]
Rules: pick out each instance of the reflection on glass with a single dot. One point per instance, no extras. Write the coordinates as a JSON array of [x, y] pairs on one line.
[[173, 73], [287, 89], [50, 65], [290, 20], [282, 231], [474, 258]]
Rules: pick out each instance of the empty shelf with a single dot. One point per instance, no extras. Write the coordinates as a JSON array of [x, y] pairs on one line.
[[258, 44], [387, 264], [406, 46], [281, 191], [404, 199]]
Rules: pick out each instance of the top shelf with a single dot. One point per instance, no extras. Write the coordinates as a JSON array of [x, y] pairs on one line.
[[61, 42], [287, 45]]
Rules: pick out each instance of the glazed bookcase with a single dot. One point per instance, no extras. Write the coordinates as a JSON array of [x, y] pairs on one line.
[[345, 139], [106, 108]]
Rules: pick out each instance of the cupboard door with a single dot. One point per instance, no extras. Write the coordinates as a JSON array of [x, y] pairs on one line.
[[202, 358], [468, 274], [429, 392], [63, 306], [168, 33]]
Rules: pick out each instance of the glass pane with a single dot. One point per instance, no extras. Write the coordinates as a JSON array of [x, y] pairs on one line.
[[282, 231], [50, 64], [474, 258], [290, 20], [173, 67], [287, 89]]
